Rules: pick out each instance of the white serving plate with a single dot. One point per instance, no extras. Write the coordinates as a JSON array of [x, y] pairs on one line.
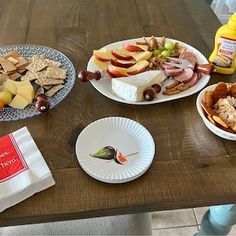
[[125, 135], [219, 132], [104, 85]]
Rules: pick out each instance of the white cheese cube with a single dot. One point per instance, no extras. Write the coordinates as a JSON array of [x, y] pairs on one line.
[[18, 102]]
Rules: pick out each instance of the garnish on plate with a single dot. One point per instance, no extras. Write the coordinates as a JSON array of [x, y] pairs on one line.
[[109, 153]]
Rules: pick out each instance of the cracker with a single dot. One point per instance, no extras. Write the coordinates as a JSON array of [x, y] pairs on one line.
[[13, 60], [37, 65], [56, 73], [13, 54], [6, 73], [21, 70], [3, 78], [7, 66], [29, 76], [22, 62], [38, 82], [50, 81], [15, 76], [53, 90], [52, 63], [41, 74], [36, 57], [47, 87]]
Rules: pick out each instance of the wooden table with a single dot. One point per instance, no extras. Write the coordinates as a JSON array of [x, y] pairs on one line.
[[192, 166]]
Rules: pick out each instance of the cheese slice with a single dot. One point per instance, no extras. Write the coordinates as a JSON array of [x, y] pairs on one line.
[[18, 102], [131, 88]]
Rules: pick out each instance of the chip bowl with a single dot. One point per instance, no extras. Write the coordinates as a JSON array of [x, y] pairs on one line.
[[214, 129]]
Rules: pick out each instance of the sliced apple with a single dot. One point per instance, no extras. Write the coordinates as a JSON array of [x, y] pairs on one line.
[[108, 52], [121, 54], [101, 55], [139, 56], [117, 71], [138, 67], [132, 47], [123, 63], [100, 64]]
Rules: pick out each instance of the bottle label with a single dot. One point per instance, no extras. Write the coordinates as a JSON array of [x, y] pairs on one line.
[[226, 50]]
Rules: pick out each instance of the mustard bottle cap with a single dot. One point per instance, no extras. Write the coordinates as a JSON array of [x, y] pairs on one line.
[[232, 21]]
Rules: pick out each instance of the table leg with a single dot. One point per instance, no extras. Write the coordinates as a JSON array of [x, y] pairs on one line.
[[218, 220]]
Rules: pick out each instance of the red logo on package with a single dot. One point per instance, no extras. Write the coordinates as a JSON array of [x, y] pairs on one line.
[[12, 161]]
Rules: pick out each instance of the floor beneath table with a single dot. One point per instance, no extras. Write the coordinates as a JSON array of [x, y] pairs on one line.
[[179, 222], [184, 222]]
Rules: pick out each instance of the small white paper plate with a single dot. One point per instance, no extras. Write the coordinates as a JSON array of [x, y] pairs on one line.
[[125, 135]]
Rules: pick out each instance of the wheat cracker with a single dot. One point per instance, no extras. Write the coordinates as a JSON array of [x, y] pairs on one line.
[[29, 76], [56, 73], [53, 90]]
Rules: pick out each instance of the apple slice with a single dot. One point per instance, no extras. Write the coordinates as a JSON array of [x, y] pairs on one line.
[[117, 71], [132, 47], [121, 54], [139, 56], [100, 64], [101, 55], [123, 63], [138, 67], [108, 52]]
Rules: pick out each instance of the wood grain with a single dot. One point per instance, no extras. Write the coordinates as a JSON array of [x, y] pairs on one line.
[[192, 167]]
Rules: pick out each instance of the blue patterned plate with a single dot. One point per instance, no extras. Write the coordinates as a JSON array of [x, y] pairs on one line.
[[27, 51]]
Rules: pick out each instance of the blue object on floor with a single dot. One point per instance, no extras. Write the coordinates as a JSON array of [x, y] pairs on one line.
[[218, 220]]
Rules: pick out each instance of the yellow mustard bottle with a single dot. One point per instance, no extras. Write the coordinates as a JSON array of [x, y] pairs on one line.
[[224, 53]]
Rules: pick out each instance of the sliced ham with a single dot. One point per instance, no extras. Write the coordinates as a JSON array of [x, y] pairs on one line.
[[173, 71], [193, 80], [190, 57], [165, 66], [185, 76]]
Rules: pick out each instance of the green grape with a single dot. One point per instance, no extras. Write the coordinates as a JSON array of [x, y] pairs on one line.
[[161, 48], [169, 45], [165, 53], [156, 52]]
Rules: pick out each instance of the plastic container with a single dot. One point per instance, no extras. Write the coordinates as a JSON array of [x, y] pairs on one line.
[[224, 53]]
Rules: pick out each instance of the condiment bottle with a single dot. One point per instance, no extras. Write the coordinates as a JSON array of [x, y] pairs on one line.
[[224, 53]]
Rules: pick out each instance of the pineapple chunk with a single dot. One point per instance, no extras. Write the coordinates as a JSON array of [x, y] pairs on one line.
[[18, 102], [10, 86]]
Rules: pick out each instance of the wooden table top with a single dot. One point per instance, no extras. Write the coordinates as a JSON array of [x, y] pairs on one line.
[[192, 166]]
